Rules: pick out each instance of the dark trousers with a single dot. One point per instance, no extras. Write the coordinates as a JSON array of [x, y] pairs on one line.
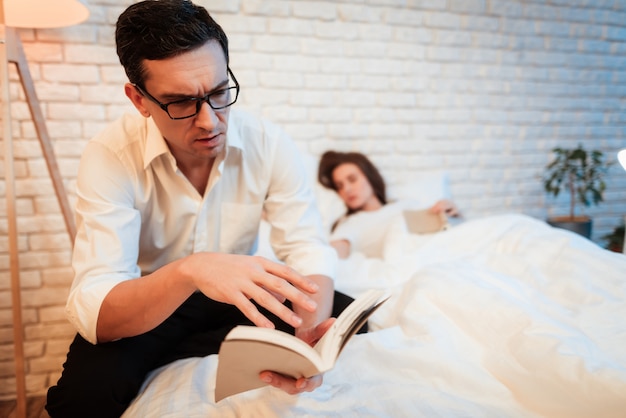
[[101, 380]]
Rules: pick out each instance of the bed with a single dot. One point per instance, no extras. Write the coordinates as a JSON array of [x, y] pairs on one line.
[[501, 316]]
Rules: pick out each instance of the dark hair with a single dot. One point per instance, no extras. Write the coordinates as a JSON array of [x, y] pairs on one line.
[[160, 29], [332, 159]]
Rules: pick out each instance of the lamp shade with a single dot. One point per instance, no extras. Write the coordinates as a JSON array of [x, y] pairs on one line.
[[621, 157], [39, 14]]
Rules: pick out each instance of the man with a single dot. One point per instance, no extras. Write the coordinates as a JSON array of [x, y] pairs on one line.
[[169, 202]]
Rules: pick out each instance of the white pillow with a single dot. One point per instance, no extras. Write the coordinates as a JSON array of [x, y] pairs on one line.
[[330, 206], [423, 189], [329, 203]]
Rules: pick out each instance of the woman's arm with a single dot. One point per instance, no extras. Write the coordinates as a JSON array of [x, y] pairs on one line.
[[342, 247], [446, 206]]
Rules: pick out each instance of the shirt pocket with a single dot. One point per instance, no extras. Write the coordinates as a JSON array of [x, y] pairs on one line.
[[240, 227]]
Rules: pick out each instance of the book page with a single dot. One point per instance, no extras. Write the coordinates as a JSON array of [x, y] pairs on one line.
[[347, 324], [270, 335]]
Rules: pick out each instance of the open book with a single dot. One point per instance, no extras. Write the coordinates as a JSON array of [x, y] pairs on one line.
[[423, 221], [249, 350]]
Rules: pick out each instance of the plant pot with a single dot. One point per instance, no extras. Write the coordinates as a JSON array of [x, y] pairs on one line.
[[615, 240], [578, 224]]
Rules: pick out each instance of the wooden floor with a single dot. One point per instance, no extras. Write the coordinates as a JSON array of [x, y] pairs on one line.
[[34, 408]]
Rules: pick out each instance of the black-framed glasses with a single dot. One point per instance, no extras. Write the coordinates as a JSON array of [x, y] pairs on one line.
[[190, 106]]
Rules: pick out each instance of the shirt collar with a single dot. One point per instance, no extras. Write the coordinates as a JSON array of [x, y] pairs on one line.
[[156, 145], [234, 140]]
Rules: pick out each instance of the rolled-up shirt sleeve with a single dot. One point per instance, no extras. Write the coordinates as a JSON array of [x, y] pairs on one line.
[[106, 244], [297, 234]]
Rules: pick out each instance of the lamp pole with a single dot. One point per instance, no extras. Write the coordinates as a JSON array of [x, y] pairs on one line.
[[29, 13], [9, 179]]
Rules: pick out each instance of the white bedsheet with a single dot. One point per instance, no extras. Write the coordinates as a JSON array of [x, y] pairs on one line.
[[498, 317]]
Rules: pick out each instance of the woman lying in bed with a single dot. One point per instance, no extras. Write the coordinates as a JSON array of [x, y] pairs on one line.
[[360, 185]]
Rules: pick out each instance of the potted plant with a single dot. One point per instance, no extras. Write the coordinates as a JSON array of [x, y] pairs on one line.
[[580, 173]]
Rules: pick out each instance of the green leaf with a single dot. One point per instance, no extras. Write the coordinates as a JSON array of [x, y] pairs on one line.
[[578, 172]]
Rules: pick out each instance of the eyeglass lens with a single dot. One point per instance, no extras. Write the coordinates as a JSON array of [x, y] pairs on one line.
[[217, 100]]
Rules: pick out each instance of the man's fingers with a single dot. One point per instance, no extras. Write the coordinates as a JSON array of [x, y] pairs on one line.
[[290, 385], [310, 384], [296, 296], [278, 296], [251, 312], [283, 280], [269, 302], [287, 273], [312, 335], [324, 326]]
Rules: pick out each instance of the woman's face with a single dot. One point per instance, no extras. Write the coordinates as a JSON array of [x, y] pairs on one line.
[[354, 188]]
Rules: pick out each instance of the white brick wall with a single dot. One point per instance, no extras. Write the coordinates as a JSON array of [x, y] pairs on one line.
[[483, 89]]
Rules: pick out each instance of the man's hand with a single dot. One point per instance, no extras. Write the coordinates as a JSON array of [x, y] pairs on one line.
[[303, 384], [238, 279]]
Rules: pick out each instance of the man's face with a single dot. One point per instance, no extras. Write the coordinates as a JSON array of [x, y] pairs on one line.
[[196, 73]]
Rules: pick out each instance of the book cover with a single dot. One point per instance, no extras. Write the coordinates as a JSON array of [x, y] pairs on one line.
[[249, 350], [424, 221]]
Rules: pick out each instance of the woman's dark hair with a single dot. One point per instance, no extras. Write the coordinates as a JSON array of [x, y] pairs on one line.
[[160, 29], [332, 159]]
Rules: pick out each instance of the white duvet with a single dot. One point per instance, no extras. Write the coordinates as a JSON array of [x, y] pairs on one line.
[[497, 317]]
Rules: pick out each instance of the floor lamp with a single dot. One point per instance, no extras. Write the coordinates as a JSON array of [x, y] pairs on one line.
[[28, 14]]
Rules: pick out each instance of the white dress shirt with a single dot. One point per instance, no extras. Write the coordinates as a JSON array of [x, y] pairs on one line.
[[137, 212]]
